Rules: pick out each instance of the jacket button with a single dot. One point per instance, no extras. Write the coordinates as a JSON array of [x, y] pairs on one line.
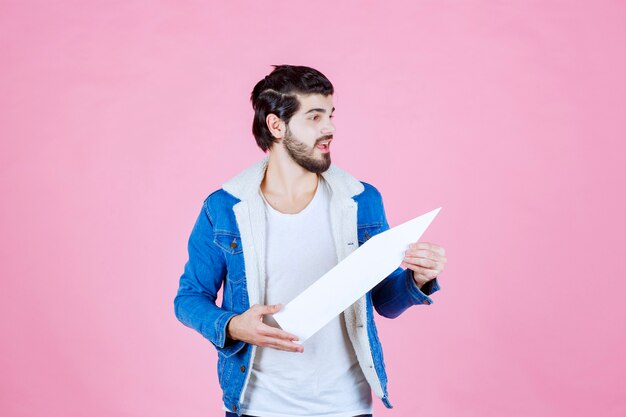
[[233, 244], [242, 369], [234, 408], [425, 302], [367, 236]]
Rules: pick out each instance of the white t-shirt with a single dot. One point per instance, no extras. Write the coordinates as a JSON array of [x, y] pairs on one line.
[[326, 379]]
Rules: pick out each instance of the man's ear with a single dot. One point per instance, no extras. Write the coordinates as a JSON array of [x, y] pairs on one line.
[[276, 126]]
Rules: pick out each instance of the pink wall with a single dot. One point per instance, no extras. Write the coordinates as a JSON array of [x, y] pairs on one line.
[[118, 118]]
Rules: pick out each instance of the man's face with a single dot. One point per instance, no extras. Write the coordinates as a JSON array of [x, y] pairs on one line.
[[310, 131]]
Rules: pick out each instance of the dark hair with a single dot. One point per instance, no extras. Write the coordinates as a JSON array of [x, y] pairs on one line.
[[276, 93]]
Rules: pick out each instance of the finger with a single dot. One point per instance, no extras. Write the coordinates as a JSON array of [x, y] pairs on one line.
[[276, 333], [437, 249], [422, 253], [424, 272], [283, 345], [420, 245], [429, 246], [426, 263], [267, 309]]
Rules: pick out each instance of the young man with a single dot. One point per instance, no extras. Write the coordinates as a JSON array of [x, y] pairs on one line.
[[268, 234]]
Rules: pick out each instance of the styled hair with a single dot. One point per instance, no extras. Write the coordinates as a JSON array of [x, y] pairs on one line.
[[276, 94]]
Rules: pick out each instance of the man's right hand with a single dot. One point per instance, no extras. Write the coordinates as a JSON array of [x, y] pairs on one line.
[[249, 327]]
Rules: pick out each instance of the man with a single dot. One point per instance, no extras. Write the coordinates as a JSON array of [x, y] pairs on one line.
[[268, 234]]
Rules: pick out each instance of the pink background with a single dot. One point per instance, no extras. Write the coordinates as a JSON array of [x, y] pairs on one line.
[[118, 119]]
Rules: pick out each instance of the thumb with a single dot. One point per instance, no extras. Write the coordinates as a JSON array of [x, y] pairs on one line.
[[270, 309]]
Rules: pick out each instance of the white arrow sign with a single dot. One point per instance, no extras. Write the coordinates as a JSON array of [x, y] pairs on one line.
[[350, 279]]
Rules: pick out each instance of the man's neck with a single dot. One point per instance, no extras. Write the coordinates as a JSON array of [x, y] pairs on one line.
[[286, 179]]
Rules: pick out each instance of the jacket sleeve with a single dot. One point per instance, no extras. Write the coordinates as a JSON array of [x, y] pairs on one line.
[[398, 291], [204, 273]]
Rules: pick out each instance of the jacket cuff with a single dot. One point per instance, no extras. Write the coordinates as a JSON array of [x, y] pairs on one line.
[[230, 346], [431, 286], [224, 345], [421, 296]]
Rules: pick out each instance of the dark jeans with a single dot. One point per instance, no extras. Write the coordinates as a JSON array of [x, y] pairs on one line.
[[229, 414]]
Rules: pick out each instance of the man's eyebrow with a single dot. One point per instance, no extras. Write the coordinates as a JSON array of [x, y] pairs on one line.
[[319, 110]]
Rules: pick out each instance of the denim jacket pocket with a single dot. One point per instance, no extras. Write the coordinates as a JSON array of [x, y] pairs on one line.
[[230, 243], [366, 231]]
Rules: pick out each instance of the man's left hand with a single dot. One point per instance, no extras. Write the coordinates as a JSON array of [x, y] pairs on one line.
[[426, 260]]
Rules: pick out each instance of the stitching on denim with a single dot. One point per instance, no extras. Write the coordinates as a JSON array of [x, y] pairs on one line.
[[218, 329], [225, 232], [207, 211], [236, 279], [374, 341], [361, 229], [375, 224], [226, 247]]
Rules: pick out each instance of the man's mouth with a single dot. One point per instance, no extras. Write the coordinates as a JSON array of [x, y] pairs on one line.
[[324, 145]]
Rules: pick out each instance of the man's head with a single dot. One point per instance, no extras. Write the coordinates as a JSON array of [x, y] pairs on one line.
[[293, 108]]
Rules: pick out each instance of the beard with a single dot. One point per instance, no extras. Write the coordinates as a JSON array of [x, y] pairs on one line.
[[304, 155]]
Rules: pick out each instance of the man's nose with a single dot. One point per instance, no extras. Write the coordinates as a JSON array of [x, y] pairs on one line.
[[329, 128]]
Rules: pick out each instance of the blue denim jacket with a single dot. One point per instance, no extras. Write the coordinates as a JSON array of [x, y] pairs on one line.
[[226, 249]]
